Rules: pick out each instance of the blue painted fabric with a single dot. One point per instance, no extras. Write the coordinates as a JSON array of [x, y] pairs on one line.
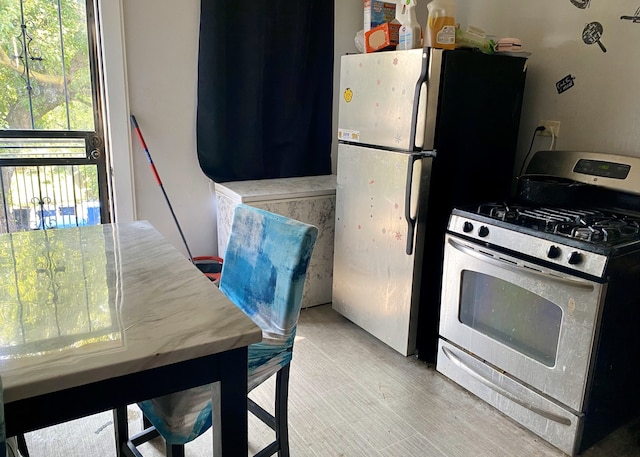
[[263, 274]]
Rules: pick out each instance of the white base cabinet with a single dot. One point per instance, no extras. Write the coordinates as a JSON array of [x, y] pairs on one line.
[[309, 199]]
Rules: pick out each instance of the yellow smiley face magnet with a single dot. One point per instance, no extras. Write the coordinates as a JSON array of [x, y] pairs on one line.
[[348, 95]]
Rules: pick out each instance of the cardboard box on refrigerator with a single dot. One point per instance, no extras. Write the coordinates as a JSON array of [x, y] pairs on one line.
[[383, 37], [377, 12]]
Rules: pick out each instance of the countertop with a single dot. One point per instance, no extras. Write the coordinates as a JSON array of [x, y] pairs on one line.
[[280, 188]]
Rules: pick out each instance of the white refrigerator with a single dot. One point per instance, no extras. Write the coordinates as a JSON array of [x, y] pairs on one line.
[[399, 120]]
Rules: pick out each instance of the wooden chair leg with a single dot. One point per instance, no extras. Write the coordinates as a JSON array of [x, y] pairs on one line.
[[126, 446], [279, 421], [175, 450], [146, 423], [281, 411]]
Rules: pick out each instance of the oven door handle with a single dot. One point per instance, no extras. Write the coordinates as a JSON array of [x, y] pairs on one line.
[[581, 284], [504, 392]]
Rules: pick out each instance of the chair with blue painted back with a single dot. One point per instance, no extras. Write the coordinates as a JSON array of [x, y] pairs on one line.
[[263, 274]]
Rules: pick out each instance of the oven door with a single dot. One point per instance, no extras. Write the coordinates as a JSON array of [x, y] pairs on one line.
[[536, 324]]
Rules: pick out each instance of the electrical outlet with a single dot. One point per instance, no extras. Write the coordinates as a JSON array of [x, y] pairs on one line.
[[549, 127]]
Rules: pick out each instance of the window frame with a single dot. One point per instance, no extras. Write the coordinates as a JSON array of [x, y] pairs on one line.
[[117, 128], [106, 24]]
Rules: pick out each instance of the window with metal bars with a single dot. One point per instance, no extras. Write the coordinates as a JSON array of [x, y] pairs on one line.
[[52, 150]]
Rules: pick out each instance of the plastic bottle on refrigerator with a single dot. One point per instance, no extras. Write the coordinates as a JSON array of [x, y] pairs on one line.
[[441, 24], [410, 30]]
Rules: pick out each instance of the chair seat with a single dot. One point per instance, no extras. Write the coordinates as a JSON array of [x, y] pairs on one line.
[[184, 416], [266, 358], [175, 417]]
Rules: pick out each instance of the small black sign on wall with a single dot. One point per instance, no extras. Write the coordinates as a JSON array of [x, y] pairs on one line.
[[565, 84]]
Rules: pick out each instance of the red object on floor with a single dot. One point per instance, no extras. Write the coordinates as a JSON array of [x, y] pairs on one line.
[[211, 266]]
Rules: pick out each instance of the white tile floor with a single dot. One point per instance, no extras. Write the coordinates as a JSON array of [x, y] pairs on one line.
[[352, 396]]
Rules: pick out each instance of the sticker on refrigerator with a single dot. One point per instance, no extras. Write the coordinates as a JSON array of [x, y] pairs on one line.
[[348, 95], [349, 135]]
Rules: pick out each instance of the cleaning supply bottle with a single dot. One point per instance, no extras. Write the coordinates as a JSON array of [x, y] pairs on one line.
[[441, 24], [410, 30]]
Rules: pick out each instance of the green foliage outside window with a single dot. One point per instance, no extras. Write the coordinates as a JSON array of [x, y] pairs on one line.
[[45, 86], [55, 47]]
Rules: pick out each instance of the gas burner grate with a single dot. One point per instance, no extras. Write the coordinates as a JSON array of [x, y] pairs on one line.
[[497, 211], [594, 226]]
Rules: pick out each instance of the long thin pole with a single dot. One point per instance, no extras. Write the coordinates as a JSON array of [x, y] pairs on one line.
[[134, 123]]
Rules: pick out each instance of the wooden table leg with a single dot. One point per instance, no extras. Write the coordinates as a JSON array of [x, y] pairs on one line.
[[121, 429], [233, 403]]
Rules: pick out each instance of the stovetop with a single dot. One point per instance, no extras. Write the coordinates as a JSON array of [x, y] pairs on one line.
[[540, 238], [596, 227], [519, 227], [575, 210]]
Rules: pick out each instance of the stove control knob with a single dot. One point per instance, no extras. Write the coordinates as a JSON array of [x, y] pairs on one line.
[[575, 258], [553, 252], [484, 231], [467, 227]]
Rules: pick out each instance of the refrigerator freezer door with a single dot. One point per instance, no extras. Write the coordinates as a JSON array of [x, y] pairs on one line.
[[374, 280], [377, 93]]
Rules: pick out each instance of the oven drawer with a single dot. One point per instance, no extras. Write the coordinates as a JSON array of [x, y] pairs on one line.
[[545, 418]]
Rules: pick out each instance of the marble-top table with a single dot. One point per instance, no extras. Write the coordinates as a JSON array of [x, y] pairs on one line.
[[92, 318]]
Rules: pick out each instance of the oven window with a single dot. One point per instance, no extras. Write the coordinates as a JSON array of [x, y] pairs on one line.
[[511, 315]]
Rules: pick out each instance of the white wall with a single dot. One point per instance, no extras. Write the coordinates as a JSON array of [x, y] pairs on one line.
[[161, 54], [601, 112]]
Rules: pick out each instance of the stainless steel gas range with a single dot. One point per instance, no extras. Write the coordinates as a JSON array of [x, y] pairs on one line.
[[540, 310]]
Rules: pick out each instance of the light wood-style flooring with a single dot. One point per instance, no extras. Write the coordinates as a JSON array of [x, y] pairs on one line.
[[352, 396]]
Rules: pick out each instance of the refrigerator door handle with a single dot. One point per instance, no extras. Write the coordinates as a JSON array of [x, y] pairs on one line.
[[411, 194], [423, 81]]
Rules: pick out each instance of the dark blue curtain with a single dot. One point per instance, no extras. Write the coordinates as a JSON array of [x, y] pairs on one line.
[[265, 88]]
